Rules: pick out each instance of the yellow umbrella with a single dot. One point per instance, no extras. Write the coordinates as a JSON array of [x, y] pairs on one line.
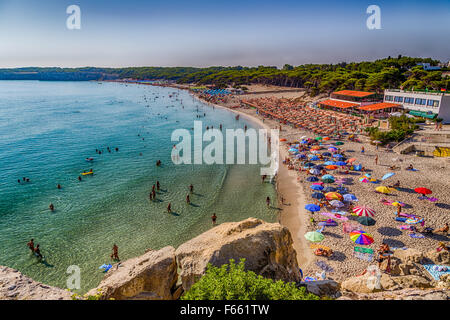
[[383, 190], [333, 196]]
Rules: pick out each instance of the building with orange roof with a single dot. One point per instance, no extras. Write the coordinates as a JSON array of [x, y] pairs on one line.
[[356, 96]]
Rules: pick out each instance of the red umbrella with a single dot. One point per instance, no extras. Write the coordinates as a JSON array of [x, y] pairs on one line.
[[423, 191], [364, 211]]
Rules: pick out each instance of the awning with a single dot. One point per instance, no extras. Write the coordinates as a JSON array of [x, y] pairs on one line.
[[423, 114]]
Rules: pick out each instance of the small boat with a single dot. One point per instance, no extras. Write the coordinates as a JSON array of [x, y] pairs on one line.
[[87, 173]]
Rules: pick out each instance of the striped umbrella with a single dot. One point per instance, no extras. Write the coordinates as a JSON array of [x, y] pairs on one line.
[[364, 211], [361, 237]]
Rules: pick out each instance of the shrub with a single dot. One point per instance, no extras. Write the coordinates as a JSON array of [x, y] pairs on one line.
[[232, 282]]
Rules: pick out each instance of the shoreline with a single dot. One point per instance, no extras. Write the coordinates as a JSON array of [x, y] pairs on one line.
[[288, 188]]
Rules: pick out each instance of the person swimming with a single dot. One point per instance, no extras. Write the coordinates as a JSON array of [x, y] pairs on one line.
[[59, 186], [51, 207], [79, 178], [158, 163]]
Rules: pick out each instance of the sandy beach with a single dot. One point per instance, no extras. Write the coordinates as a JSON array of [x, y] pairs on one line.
[[292, 186]]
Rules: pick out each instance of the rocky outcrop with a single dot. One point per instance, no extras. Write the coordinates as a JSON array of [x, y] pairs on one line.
[[267, 248], [442, 257], [15, 286], [323, 288], [152, 276]]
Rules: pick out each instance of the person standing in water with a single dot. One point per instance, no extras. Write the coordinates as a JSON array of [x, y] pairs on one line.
[[214, 219], [188, 200], [169, 208], [58, 186], [268, 201], [37, 252], [115, 254], [157, 185], [30, 245], [191, 188], [51, 207], [154, 195]]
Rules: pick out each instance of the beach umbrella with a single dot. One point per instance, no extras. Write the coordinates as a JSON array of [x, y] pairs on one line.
[[377, 142], [384, 190], [317, 195], [339, 156], [339, 143], [326, 138], [292, 150], [314, 236], [350, 197], [312, 207], [364, 179], [316, 148], [314, 158], [312, 179], [314, 171], [388, 175], [330, 189], [329, 163], [361, 237], [364, 211], [423, 191], [341, 163], [326, 154], [317, 187], [334, 216], [351, 160], [366, 221], [328, 176], [320, 183], [304, 142], [315, 152], [337, 204], [332, 149], [331, 167], [309, 164], [318, 167], [300, 156], [398, 204], [318, 138], [342, 189], [367, 175], [333, 196]]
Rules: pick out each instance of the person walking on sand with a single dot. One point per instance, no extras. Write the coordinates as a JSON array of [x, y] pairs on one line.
[[115, 254], [30, 245], [214, 219], [376, 160]]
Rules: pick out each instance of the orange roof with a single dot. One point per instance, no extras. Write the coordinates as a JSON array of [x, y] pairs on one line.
[[339, 104], [379, 106], [352, 93]]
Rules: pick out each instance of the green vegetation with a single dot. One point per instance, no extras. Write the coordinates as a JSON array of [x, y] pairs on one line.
[[401, 127], [232, 282], [400, 72]]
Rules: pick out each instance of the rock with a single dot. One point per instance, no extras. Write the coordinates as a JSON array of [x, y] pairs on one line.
[[15, 286], [442, 257], [329, 288], [409, 255], [151, 276], [267, 248]]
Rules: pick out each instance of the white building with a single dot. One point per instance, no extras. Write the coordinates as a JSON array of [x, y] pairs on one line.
[[421, 103]]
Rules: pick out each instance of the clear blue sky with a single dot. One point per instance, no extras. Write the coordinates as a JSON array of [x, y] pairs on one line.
[[204, 33]]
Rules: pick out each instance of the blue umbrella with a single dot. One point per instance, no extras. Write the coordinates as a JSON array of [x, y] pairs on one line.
[[341, 189], [312, 207], [314, 171], [317, 187], [314, 158], [341, 163], [329, 163], [318, 167], [350, 197], [309, 164], [338, 156], [318, 195], [304, 142], [326, 154], [300, 156], [328, 176], [388, 175], [330, 189], [312, 179]]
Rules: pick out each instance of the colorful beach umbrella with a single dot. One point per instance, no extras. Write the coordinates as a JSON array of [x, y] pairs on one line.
[[312, 179], [339, 156], [317, 187], [326, 154], [328, 223], [330, 189], [329, 163], [351, 160], [333, 196], [331, 167], [364, 180], [314, 236], [339, 143], [350, 197], [314, 171], [423, 191], [312, 207], [328, 176], [337, 204], [361, 237], [341, 163], [314, 158], [364, 211], [398, 204]]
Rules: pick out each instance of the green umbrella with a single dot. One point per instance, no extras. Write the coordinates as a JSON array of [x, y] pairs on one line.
[[314, 236], [339, 143], [319, 138], [367, 221]]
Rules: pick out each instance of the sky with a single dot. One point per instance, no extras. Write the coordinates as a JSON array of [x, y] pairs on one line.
[[204, 33]]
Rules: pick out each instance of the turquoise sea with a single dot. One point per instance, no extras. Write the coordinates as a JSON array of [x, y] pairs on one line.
[[48, 129]]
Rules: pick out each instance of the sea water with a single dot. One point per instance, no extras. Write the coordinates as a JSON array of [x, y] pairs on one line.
[[48, 129]]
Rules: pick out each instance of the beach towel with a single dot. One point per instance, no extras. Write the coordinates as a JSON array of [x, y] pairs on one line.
[[417, 236], [436, 271], [412, 170], [308, 279]]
